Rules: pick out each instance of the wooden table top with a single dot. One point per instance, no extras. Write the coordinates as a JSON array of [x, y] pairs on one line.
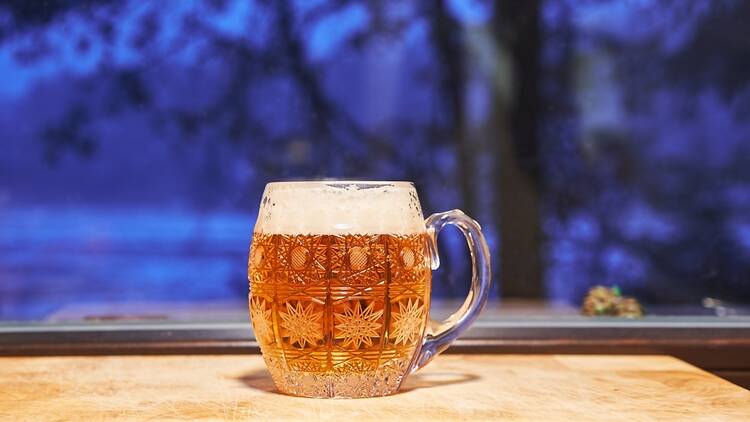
[[452, 387]]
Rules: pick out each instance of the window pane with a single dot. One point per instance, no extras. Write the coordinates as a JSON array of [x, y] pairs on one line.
[[598, 143]]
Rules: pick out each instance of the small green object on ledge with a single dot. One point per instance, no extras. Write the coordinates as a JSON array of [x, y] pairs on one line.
[[608, 301]]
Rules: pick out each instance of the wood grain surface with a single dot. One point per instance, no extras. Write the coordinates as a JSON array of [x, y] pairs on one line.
[[454, 387]]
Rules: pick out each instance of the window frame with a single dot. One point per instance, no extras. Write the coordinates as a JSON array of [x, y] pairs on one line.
[[714, 344]]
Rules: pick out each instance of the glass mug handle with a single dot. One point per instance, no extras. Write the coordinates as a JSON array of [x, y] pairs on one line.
[[440, 334]]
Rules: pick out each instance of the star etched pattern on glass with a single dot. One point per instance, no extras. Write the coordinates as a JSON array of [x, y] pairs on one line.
[[261, 316], [357, 327], [339, 315], [408, 322]]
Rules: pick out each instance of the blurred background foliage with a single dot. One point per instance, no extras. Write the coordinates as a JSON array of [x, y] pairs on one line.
[[598, 142]]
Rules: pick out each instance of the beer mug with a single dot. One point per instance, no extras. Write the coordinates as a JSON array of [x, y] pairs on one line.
[[340, 277]]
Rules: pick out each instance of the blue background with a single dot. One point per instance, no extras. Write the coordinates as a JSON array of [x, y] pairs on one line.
[[136, 138]]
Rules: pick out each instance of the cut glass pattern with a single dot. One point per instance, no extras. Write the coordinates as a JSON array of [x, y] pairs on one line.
[[339, 316], [302, 324], [408, 322], [261, 318], [356, 326]]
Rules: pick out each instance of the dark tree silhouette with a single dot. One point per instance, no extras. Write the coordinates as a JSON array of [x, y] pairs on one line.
[[516, 113]]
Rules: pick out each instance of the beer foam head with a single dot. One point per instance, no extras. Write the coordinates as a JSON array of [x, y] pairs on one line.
[[340, 207]]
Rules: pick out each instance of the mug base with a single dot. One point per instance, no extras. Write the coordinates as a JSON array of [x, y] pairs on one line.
[[337, 385]]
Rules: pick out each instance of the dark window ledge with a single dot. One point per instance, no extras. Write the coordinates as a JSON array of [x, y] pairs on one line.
[[716, 344]]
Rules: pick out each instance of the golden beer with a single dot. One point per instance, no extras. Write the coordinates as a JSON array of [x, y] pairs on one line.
[[340, 286], [333, 313]]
